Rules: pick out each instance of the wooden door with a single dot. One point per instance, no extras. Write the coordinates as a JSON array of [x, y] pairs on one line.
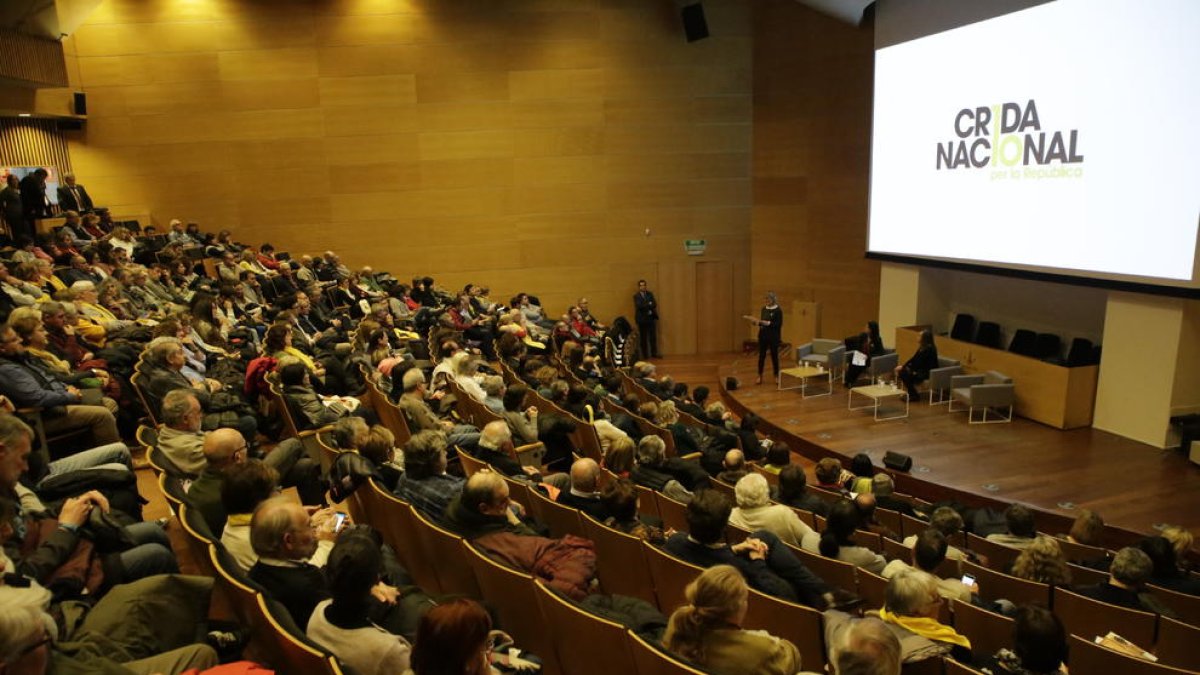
[[714, 307]]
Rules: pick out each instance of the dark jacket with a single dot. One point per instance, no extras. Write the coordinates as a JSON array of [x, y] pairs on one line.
[[307, 408], [27, 382], [646, 307], [589, 505], [68, 202]]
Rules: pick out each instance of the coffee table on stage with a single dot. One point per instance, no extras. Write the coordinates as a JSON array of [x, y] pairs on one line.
[[804, 374], [878, 394]]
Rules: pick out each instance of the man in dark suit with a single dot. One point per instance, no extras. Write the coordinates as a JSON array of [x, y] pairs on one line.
[[647, 320], [72, 196], [583, 495], [33, 196]]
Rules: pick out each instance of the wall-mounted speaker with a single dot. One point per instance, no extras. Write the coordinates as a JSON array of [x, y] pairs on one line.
[[694, 23], [897, 461], [80, 103]]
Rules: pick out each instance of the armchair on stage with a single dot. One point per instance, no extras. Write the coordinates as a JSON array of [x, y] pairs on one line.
[[822, 352], [883, 365], [989, 391], [939, 379]]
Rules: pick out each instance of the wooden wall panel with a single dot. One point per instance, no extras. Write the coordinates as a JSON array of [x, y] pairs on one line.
[[32, 60], [812, 115], [565, 147], [33, 142]]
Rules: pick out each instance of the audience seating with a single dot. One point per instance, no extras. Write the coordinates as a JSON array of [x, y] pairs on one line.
[[671, 576], [1048, 347], [292, 653], [797, 623], [1089, 658], [673, 513], [735, 534], [1090, 618], [835, 572], [1178, 644], [621, 562], [561, 519], [198, 536], [173, 491], [445, 548], [519, 493], [872, 588], [585, 644], [989, 392], [772, 477], [868, 539], [988, 632], [889, 519], [953, 667], [655, 660], [724, 488], [1023, 342], [470, 465], [1186, 607], [1080, 553], [397, 522], [807, 517], [999, 556], [648, 502], [995, 585], [514, 597], [390, 415], [1084, 576]]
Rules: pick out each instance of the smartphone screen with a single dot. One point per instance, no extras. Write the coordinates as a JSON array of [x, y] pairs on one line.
[[968, 580], [339, 521]]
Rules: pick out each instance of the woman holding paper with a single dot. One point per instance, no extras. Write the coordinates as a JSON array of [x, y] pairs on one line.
[[860, 350], [770, 333]]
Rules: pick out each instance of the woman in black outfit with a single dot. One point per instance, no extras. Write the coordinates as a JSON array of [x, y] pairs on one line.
[[868, 342], [916, 369], [770, 333]]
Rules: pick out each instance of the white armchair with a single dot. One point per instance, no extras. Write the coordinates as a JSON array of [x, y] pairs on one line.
[[823, 352], [991, 391]]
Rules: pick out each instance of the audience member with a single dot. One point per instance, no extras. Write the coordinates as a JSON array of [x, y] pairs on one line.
[[1043, 562], [793, 491], [754, 511], [733, 467], [1039, 646], [927, 556], [620, 500], [1126, 585], [1021, 530], [863, 647], [883, 487], [425, 483], [707, 630], [584, 493], [949, 522], [838, 539]]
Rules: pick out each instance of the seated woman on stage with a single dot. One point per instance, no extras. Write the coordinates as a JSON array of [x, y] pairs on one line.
[[707, 631], [916, 369], [869, 343]]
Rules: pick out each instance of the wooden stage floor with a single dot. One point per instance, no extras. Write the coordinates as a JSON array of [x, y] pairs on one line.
[[1131, 485]]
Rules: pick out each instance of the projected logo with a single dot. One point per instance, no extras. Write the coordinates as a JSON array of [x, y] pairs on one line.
[[1009, 139]]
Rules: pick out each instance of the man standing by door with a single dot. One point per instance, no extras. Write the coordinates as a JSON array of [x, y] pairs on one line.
[[647, 320]]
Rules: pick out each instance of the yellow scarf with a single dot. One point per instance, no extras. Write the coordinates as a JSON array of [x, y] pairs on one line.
[[99, 310], [52, 361], [926, 628]]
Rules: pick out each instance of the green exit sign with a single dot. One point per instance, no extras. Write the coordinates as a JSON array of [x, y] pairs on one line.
[[695, 246]]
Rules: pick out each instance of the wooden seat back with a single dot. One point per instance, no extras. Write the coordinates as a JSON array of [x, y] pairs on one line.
[[1090, 618], [585, 644]]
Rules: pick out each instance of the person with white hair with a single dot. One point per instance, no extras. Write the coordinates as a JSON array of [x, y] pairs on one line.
[[864, 647], [755, 511], [422, 418]]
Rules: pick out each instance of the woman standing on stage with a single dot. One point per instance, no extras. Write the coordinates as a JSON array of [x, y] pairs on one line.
[[770, 333]]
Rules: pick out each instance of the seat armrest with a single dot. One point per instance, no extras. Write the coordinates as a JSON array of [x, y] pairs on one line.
[[940, 378], [885, 363], [959, 381], [804, 350], [996, 395], [837, 355]]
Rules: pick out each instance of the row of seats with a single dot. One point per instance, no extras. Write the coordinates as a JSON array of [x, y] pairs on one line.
[[1044, 346]]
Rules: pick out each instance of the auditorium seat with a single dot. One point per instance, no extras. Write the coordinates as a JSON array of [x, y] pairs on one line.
[[652, 659], [799, 624], [987, 631], [585, 644], [995, 585], [1090, 618], [671, 576], [514, 598], [988, 334], [441, 545], [1186, 607], [964, 328], [1089, 658], [1178, 644], [620, 561]]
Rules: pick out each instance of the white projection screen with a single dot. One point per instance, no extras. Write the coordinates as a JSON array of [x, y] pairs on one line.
[[1063, 139]]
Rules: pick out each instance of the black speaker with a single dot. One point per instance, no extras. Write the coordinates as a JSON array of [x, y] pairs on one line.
[[80, 103], [694, 23], [897, 461], [731, 383]]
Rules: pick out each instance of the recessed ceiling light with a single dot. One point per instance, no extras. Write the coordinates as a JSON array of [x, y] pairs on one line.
[[24, 114]]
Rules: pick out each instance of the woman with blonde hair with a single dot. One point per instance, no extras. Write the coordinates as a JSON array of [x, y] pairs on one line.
[[1043, 561], [707, 630]]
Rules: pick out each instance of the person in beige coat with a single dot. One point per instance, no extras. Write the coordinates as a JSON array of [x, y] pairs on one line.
[[707, 630], [754, 511]]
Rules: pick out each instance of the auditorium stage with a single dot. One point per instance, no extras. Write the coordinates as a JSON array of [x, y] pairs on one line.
[[1133, 486]]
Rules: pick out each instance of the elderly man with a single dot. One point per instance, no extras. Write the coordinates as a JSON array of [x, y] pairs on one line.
[[947, 521], [884, 488], [584, 493], [495, 447], [421, 418], [41, 559], [72, 196], [767, 565], [755, 511], [224, 448], [863, 647], [484, 514], [28, 383], [910, 610], [733, 467], [425, 483], [87, 301], [672, 476], [164, 372], [286, 539]]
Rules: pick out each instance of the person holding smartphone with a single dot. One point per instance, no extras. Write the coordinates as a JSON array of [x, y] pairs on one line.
[[928, 553]]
